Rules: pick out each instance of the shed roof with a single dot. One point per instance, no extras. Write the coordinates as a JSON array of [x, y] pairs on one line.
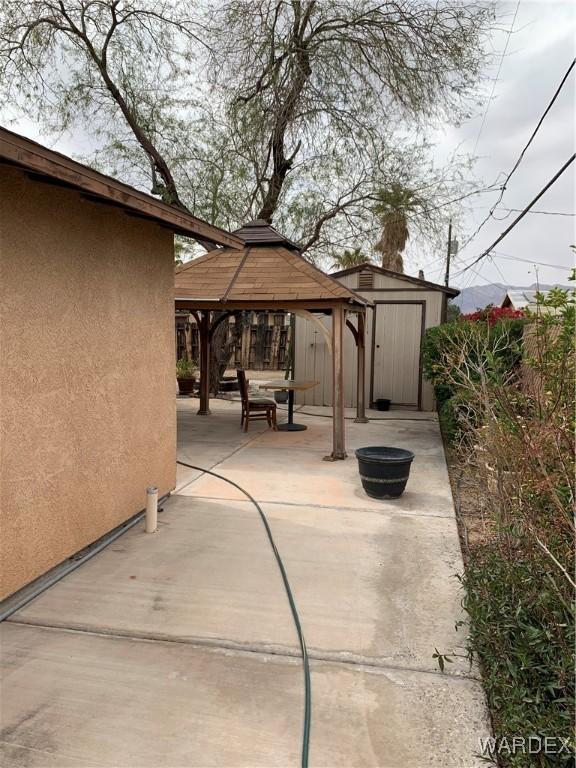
[[268, 272], [43, 164], [399, 276]]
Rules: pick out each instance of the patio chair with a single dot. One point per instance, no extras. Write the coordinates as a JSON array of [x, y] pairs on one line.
[[254, 408]]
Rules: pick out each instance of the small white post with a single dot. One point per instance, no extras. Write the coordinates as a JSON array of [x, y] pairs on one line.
[[151, 509]]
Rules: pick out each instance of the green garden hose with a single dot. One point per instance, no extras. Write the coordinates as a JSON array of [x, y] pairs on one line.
[[293, 609]]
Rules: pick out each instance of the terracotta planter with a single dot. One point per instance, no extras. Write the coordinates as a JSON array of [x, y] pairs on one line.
[[186, 386]]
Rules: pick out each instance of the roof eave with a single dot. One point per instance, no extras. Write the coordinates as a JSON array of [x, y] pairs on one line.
[[55, 167], [271, 304]]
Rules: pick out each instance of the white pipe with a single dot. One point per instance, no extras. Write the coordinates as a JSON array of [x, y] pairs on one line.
[[151, 509]]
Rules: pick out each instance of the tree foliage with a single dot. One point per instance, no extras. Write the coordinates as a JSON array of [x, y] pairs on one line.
[[349, 258], [292, 109], [393, 207]]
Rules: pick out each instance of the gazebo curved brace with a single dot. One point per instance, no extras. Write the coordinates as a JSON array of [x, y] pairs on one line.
[[215, 323], [354, 331], [306, 315], [360, 337]]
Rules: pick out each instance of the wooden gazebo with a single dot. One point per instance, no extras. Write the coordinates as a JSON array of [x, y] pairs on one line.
[[270, 273]]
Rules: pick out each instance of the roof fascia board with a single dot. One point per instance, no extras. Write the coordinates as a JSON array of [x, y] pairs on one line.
[[183, 302]]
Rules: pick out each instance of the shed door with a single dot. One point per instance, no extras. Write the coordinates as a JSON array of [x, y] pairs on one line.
[[396, 352]]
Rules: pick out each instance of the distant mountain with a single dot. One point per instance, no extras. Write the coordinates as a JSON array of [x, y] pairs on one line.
[[479, 296]]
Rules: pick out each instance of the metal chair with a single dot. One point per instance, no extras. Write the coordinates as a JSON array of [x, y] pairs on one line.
[[254, 408]]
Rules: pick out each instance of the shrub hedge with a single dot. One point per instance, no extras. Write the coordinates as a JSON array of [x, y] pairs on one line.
[[509, 409]]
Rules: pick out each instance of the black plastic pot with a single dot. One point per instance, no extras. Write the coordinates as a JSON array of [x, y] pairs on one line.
[[383, 404], [384, 471], [281, 396]]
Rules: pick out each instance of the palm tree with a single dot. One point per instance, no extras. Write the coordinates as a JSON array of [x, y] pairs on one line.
[[393, 208], [348, 259]]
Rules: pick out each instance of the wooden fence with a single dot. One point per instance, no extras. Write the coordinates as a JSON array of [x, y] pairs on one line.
[[263, 344]]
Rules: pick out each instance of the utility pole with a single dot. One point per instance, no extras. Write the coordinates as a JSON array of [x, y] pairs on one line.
[[452, 250], [447, 275]]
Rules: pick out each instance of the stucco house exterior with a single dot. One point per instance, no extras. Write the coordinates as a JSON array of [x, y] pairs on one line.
[[87, 412], [403, 307]]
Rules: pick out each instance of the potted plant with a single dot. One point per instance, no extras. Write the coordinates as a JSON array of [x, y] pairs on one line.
[[186, 371]]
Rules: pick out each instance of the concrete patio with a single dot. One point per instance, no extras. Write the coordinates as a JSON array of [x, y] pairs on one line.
[[177, 649]]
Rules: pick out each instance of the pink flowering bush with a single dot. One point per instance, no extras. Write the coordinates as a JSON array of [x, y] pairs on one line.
[[493, 315]]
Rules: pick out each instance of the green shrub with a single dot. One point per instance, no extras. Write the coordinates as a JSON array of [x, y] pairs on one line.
[[523, 632], [448, 416], [511, 403], [498, 342], [502, 338]]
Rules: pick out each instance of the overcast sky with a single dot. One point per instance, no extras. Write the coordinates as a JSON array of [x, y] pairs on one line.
[[539, 52]]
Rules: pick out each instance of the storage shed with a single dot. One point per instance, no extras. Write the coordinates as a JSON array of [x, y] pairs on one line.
[[403, 308], [87, 337]]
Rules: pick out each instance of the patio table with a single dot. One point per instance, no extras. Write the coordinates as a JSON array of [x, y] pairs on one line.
[[290, 386]]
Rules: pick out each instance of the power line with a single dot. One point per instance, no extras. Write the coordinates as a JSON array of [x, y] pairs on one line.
[[521, 155], [497, 268], [499, 255], [523, 213], [509, 257], [426, 211], [535, 131], [542, 213], [497, 77], [468, 283]]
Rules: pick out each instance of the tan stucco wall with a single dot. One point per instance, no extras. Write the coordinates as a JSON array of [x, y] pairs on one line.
[[87, 411]]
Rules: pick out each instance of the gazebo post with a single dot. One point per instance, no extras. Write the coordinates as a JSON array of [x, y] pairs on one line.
[[361, 371], [338, 445], [204, 332]]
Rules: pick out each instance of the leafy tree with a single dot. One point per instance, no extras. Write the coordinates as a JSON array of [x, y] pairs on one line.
[[292, 109], [348, 259]]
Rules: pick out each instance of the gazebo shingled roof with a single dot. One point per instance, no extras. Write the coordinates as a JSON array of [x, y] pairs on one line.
[[270, 273]]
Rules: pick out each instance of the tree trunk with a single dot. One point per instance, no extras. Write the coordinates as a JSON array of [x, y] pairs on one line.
[[222, 348]]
